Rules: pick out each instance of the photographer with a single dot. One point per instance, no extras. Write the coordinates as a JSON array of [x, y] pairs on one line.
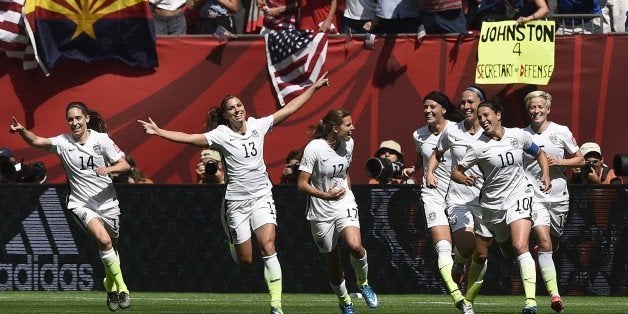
[[386, 165], [594, 171], [12, 171], [210, 170], [290, 173]]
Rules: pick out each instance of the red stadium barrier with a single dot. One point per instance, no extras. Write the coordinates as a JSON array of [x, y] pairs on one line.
[[382, 88]]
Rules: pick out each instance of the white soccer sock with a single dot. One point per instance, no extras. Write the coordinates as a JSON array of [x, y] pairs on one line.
[[548, 272], [360, 268], [342, 293], [272, 275]]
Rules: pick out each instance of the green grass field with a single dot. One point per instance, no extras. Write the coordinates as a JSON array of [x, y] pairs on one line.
[[154, 302]]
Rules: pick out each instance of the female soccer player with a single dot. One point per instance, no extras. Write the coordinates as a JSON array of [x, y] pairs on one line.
[[88, 158], [249, 203], [506, 197], [463, 206], [549, 211], [439, 113], [332, 210]]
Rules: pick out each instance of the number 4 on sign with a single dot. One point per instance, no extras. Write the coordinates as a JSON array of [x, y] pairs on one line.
[[517, 49]]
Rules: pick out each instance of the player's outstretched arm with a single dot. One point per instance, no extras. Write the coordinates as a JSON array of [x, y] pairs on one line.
[[29, 137], [151, 127], [296, 104]]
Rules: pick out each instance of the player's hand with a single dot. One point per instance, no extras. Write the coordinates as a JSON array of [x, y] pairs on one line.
[[149, 127], [470, 180], [547, 184], [552, 161], [431, 181], [334, 193], [322, 81], [15, 126], [102, 171]]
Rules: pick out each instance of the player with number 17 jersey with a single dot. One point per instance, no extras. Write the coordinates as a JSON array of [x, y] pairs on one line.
[[246, 172], [328, 169]]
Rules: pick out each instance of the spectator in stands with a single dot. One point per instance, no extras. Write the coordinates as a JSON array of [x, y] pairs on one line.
[[395, 16], [569, 26], [331, 207], [169, 16], [290, 173], [215, 14], [470, 236], [134, 175], [210, 169], [89, 157], [594, 171], [319, 15], [506, 196], [388, 172], [522, 11], [279, 14], [357, 16], [442, 17], [549, 211], [249, 203]]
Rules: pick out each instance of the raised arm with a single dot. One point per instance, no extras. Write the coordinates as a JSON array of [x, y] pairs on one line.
[[151, 127], [296, 104], [29, 137]]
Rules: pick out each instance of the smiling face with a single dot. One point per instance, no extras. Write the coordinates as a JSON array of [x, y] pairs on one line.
[[345, 129], [538, 110], [490, 120], [433, 111], [469, 106], [234, 111], [77, 120]]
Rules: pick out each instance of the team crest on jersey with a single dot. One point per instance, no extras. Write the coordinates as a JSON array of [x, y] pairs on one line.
[[514, 143], [553, 138], [255, 133], [348, 156], [97, 148]]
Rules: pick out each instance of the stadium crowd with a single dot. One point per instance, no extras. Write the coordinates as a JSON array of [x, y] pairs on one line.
[[178, 17]]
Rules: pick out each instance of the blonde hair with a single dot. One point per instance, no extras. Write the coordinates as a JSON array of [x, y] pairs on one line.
[[541, 94]]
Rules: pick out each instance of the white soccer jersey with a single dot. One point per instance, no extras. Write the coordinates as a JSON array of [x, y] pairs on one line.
[[87, 188], [554, 141], [244, 158], [456, 140], [425, 142], [501, 162], [328, 168]]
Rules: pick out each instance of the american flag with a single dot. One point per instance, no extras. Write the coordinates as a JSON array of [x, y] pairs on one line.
[[13, 38], [295, 59]]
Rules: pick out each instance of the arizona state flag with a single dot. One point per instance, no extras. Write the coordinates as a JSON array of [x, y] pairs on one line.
[[91, 30]]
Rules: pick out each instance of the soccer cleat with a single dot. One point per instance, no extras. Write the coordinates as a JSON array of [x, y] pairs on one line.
[[275, 310], [347, 308], [530, 310], [557, 303], [369, 296], [124, 300], [112, 301], [467, 307]]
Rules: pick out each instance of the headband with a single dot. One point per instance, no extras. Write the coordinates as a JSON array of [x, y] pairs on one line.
[[477, 91]]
